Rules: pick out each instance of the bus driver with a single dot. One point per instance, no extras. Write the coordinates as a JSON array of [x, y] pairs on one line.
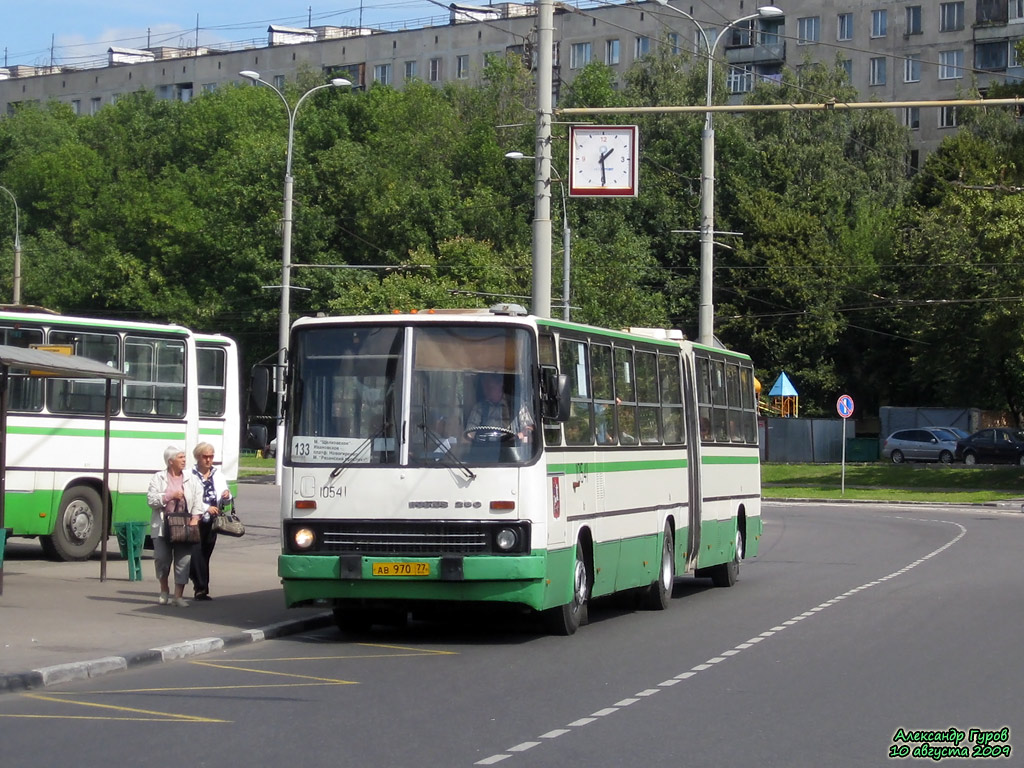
[[494, 410]]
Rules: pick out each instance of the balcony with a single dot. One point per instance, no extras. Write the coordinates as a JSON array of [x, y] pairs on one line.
[[762, 53]]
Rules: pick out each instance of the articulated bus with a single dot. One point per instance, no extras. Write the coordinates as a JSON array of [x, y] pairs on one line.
[[621, 460], [182, 387]]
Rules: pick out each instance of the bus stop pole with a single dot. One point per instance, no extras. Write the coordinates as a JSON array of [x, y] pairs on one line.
[[4, 374], [105, 503]]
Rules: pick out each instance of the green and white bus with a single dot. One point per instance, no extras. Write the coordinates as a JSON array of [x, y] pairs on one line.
[[624, 458], [182, 387]]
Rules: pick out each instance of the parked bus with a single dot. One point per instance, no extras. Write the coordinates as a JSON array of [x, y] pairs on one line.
[[615, 461], [181, 387]]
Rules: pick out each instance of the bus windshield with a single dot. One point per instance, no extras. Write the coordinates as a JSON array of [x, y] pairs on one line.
[[427, 395]]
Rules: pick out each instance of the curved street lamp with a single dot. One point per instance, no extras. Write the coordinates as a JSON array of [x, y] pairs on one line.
[[706, 316], [286, 254], [17, 250], [566, 233]]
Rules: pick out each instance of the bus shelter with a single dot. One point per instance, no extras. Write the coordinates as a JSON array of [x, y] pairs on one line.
[[39, 362]]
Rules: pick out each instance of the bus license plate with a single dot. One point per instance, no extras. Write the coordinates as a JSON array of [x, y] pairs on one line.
[[401, 569]]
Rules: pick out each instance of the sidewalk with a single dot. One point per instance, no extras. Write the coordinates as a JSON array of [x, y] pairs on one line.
[[59, 622]]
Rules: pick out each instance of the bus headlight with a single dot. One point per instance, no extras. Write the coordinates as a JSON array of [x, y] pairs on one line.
[[506, 539], [303, 538]]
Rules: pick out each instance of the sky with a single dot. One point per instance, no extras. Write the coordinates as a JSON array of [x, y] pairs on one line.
[[78, 33]]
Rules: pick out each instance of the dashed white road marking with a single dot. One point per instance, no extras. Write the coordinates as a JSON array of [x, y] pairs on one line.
[[584, 721]]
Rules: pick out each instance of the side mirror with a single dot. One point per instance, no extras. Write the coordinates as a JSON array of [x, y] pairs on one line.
[[259, 389], [555, 394], [257, 436]]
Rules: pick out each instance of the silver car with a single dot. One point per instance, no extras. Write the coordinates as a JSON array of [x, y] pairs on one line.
[[920, 444]]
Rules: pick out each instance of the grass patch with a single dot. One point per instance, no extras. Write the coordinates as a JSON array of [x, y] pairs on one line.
[[249, 465], [891, 482]]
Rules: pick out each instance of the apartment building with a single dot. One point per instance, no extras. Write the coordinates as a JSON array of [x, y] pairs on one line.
[[892, 51]]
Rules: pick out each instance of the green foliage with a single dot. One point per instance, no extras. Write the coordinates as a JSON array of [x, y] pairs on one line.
[[844, 274]]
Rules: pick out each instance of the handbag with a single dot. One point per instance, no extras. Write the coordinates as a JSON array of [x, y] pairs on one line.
[[178, 520], [227, 522]]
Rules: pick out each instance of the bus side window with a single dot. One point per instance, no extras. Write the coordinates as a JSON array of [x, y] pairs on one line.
[[704, 397], [672, 412], [647, 397], [625, 396], [578, 429], [604, 399]]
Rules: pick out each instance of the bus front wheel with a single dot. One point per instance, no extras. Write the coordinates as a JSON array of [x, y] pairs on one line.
[[566, 619], [76, 534]]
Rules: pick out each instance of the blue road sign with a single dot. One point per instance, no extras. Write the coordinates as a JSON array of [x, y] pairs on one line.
[[844, 405]]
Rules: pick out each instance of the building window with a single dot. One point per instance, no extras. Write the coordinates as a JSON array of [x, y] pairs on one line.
[[611, 51], [990, 57], [951, 65], [94, 105], [1016, 10], [912, 69], [992, 11], [435, 70], [808, 30], [741, 80], [913, 19], [915, 160], [462, 66], [879, 23], [1012, 54], [951, 16], [579, 55], [848, 69], [673, 43], [76, 106], [947, 117], [641, 47], [382, 74], [912, 118], [844, 30], [209, 87], [877, 76], [279, 82], [411, 70]]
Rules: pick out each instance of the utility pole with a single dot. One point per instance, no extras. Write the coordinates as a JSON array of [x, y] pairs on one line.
[[541, 305]]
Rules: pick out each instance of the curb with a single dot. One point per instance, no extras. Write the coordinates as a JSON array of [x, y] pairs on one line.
[[59, 674]]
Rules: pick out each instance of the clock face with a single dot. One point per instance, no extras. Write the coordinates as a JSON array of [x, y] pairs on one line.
[[603, 160]]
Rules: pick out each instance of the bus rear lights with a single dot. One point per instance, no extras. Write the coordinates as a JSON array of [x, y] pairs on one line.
[[303, 538], [305, 504], [503, 506], [506, 539]]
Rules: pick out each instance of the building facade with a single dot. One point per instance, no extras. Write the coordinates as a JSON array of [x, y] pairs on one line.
[[892, 51]]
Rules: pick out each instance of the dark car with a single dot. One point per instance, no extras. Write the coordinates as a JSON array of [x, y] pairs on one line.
[[921, 444], [992, 446]]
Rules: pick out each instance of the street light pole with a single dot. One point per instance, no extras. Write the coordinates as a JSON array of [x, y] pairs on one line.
[[17, 250], [284, 320], [566, 235], [706, 315]]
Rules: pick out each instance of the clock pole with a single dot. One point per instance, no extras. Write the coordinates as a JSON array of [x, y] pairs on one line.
[[542, 186]]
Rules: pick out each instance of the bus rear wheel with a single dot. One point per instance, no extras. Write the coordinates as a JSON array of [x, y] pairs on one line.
[[726, 574], [566, 619], [659, 593], [76, 534]]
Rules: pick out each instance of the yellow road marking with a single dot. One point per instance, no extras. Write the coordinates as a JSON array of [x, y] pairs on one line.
[[163, 715], [271, 672]]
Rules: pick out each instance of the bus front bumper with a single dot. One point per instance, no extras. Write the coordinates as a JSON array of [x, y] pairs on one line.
[[514, 579]]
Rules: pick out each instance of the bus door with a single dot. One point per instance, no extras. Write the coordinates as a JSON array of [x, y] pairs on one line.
[[694, 434]]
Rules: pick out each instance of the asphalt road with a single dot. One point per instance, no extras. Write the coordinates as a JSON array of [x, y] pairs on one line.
[[855, 623]]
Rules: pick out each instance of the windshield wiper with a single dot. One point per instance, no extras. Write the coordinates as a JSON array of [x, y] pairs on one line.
[[444, 452], [350, 459]]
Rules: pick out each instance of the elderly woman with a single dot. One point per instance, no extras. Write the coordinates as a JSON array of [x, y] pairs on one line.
[[168, 485], [215, 495]]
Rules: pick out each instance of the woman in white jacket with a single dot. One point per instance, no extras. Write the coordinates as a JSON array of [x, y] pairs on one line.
[[166, 485]]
